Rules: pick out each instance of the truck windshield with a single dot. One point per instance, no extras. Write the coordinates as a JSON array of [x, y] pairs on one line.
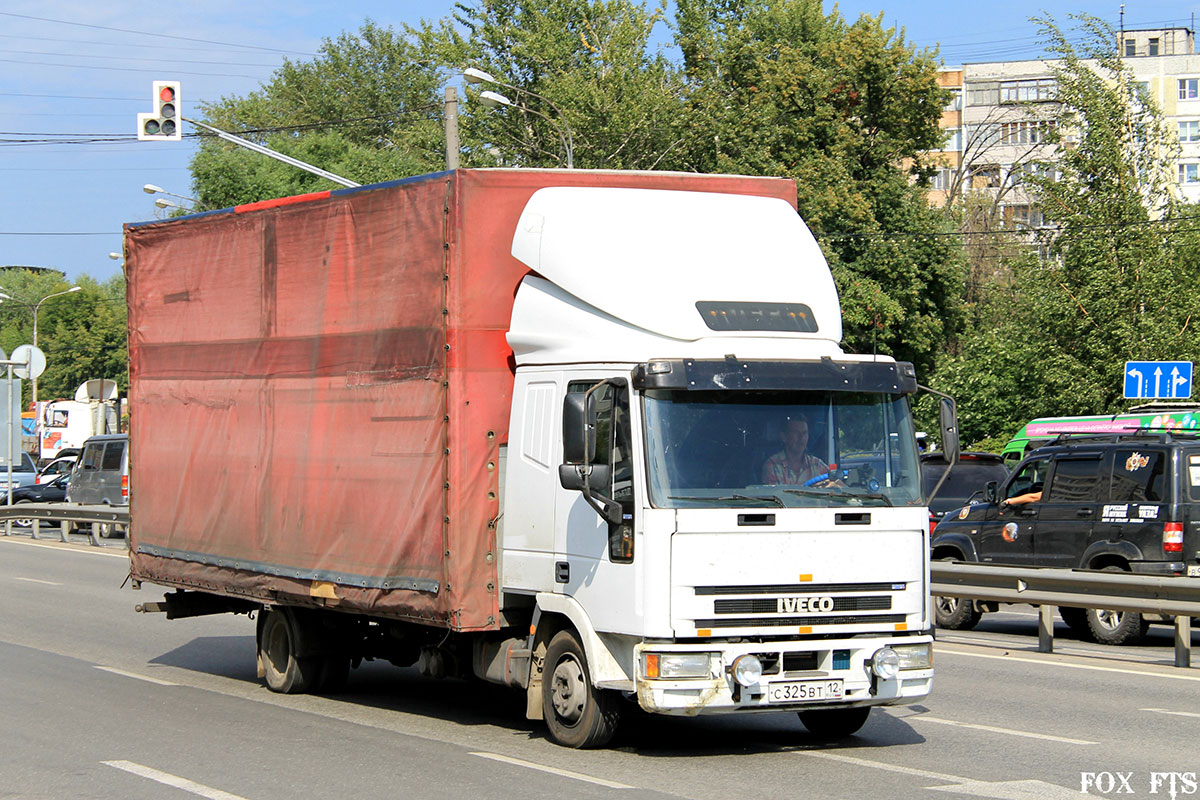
[[775, 449]]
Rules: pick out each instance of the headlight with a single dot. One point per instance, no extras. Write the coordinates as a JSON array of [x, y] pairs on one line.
[[670, 666], [915, 656], [747, 670], [885, 663]]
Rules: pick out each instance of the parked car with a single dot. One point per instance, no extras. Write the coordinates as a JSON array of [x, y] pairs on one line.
[[966, 483], [1128, 502], [59, 466], [53, 492], [24, 472]]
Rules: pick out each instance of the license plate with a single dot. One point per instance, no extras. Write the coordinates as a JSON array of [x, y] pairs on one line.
[[1194, 570], [804, 691]]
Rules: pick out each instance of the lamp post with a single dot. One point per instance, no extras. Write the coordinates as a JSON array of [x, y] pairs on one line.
[[150, 188], [36, 308], [493, 99]]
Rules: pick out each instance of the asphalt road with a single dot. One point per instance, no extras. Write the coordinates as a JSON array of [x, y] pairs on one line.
[[101, 702]]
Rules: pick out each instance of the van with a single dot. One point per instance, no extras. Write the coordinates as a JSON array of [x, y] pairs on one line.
[[101, 476], [1128, 502], [1150, 417]]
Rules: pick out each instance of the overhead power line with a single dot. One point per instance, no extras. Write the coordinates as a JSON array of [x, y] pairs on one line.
[[153, 33]]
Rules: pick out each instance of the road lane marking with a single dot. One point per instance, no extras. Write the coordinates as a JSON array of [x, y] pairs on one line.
[[554, 771], [993, 729], [175, 781], [146, 678], [1172, 713], [944, 651], [1001, 790], [36, 580], [96, 551]]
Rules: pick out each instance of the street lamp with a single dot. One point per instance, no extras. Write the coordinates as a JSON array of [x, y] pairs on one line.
[[150, 188], [163, 202], [493, 99], [36, 308]]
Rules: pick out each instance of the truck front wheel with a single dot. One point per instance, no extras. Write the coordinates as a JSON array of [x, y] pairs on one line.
[[277, 637], [577, 713], [835, 723]]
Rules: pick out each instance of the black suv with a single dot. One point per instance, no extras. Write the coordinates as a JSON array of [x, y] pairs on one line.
[[1118, 502]]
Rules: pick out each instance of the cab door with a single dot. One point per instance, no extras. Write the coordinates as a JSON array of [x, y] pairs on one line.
[[596, 561], [1069, 508], [1006, 535]]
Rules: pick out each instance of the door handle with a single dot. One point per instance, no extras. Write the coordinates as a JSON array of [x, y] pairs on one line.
[[1027, 512], [1084, 512]]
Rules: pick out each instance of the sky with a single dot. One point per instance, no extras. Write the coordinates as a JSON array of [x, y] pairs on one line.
[[74, 75]]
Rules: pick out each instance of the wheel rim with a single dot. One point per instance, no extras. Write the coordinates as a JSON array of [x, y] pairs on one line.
[[1109, 619], [568, 692], [947, 605]]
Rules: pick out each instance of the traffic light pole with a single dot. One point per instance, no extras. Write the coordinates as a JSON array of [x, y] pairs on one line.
[[266, 151]]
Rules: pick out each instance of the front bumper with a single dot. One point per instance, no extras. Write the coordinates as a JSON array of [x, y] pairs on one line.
[[846, 659]]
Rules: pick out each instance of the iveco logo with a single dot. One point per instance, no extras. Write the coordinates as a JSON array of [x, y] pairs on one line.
[[791, 605]]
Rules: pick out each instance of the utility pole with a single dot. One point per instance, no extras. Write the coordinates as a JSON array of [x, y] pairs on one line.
[[452, 145]]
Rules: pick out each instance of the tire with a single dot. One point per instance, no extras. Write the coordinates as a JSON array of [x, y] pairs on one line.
[[955, 613], [277, 639], [1077, 621], [1116, 627], [835, 723], [578, 714]]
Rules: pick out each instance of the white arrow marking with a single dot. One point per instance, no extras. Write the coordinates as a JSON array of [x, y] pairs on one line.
[[1177, 380], [1172, 713], [1157, 379], [1137, 376]]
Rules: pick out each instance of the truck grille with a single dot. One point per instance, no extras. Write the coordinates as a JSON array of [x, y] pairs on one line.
[[757, 606]]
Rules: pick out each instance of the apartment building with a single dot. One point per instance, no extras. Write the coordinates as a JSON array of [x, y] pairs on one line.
[[997, 136]]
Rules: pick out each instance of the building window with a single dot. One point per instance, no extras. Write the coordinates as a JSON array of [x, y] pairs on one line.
[[1027, 132], [1153, 49], [955, 103], [942, 180], [953, 139], [1025, 216], [1034, 90], [1189, 173], [1189, 130], [1189, 88], [1130, 47], [986, 177], [986, 95]]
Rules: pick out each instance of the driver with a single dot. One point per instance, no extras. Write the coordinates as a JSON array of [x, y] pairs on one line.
[[793, 465]]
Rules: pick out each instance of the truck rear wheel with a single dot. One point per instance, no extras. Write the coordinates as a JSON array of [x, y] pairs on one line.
[[577, 713], [286, 673], [835, 723]]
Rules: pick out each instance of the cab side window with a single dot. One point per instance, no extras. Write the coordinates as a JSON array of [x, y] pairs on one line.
[[1075, 479], [614, 447], [1138, 475], [1031, 478]]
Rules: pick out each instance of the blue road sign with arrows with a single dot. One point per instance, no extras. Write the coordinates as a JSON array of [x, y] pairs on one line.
[[1158, 380]]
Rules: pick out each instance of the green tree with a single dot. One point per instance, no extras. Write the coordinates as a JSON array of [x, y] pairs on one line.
[[777, 87], [368, 108], [1111, 286]]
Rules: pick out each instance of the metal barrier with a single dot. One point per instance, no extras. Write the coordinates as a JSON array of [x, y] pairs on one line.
[[1049, 588], [66, 515]]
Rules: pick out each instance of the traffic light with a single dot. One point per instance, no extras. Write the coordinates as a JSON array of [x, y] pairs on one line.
[[163, 124]]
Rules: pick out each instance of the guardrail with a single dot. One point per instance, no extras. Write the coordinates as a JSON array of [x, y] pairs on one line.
[[66, 515], [1048, 588]]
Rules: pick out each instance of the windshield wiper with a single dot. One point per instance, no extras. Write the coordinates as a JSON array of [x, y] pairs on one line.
[[842, 496], [768, 499]]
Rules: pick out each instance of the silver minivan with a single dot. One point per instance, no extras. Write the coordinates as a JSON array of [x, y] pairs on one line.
[[101, 476]]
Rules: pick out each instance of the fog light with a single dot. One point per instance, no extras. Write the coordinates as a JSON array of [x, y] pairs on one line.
[[885, 663], [747, 670]]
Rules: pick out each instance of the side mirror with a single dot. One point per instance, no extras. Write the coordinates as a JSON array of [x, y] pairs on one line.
[[579, 428], [989, 491], [571, 476], [948, 422]]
